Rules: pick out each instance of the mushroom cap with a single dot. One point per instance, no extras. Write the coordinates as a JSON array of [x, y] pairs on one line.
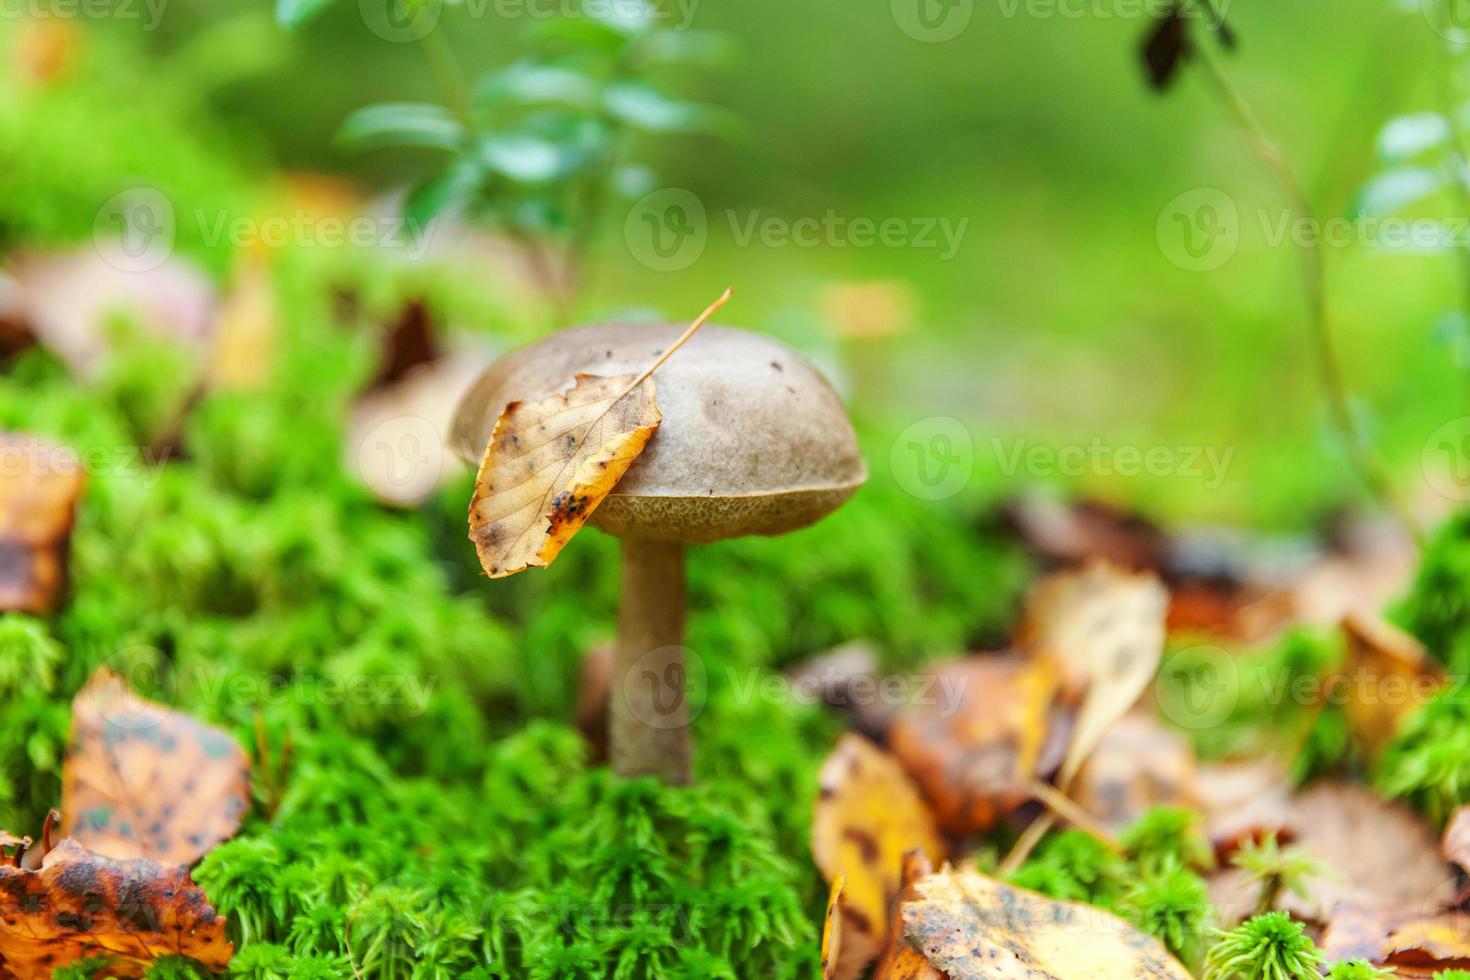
[[753, 440]]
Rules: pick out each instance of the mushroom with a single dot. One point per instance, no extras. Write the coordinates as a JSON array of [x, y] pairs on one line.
[[753, 441]]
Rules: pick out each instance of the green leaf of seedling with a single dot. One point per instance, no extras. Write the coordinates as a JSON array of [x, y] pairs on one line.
[[531, 82], [524, 157], [447, 190], [645, 108], [1394, 190], [703, 49], [402, 124], [1405, 137]]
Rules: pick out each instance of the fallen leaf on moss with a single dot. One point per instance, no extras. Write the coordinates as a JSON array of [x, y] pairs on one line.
[[40, 484], [143, 781], [901, 961], [1388, 676], [79, 904], [975, 928], [1355, 932], [245, 329], [1069, 533], [1138, 765], [976, 747], [867, 816], [551, 462], [1455, 844], [1105, 628], [1376, 855], [1243, 801]]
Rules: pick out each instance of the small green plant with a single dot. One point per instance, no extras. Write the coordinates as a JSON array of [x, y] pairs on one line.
[[1276, 869], [1267, 947], [540, 148]]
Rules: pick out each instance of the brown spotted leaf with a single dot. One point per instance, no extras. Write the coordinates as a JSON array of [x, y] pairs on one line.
[[1377, 855], [1138, 765], [144, 781], [79, 904], [39, 487], [869, 814], [973, 927], [550, 463], [900, 960]]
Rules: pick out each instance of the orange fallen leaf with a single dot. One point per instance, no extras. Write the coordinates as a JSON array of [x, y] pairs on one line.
[[1434, 944], [1388, 676], [79, 904], [868, 815], [40, 484], [970, 926], [143, 781], [976, 750]]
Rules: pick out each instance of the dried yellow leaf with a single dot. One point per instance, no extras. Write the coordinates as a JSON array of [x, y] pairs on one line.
[[551, 462], [970, 926], [868, 815], [832, 931]]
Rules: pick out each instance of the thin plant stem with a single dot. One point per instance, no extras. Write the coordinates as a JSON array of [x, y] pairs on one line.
[[1364, 457], [1451, 97], [444, 66], [1061, 805]]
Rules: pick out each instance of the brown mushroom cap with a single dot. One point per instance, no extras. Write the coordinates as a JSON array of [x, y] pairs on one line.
[[753, 440]]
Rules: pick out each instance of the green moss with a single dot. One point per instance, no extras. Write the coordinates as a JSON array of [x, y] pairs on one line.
[[1172, 903], [1437, 607], [1363, 970]]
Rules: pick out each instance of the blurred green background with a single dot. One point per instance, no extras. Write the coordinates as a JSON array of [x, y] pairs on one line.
[[1060, 319]]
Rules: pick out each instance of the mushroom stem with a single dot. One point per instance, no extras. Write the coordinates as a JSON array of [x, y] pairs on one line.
[[649, 719]]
